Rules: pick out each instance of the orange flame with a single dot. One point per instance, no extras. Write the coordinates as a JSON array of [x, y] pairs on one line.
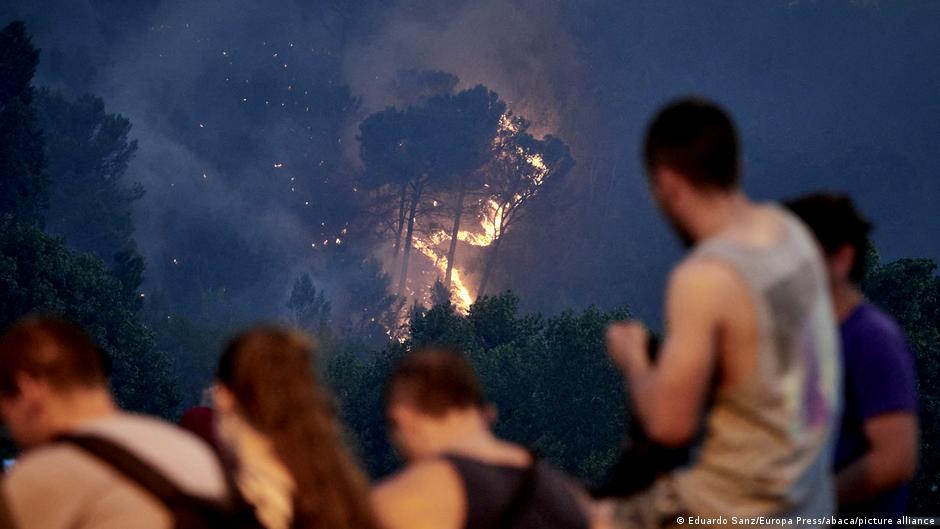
[[462, 298], [491, 222]]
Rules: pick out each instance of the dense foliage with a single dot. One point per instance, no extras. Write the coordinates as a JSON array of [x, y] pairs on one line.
[[23, 186], [909, 289], [87, 152], [556, 392], [39, 272], [549, 379]]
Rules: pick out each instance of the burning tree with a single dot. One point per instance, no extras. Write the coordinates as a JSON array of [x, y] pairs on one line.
[[476, 115], [388, 167], [515, 175], [446, 157], [434, 144]]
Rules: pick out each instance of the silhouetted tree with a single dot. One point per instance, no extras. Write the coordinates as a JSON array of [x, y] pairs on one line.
[[476, 114], [909, 290], [427, 145], [192, 345], [440, 294], [516, 175], [23, 182], [309, 307], [363, 308], [87, 153], [371, 310], [128, 268], [206, 264], [388, 167], [530, 369], [38, 274]]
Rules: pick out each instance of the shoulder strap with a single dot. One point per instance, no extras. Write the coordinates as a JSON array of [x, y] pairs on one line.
[[521, 496], [188, 510], [127, 464]]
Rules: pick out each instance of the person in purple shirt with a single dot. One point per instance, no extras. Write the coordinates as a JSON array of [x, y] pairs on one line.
[[877, 450]]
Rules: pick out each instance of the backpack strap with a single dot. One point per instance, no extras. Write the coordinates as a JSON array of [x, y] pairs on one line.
[[127, 464], [521, 496], [184, 508]]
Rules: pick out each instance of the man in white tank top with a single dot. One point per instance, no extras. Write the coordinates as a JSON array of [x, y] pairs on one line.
[[53, 382], [748, 370]]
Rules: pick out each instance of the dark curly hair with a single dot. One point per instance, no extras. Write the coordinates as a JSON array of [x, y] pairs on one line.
[[835, 222]]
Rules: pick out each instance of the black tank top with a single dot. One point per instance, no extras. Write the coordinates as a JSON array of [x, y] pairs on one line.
[[490, 489]]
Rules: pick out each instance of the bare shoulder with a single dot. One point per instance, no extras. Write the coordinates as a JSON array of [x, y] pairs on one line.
[[417, 477], [426, 494], [702, 275]]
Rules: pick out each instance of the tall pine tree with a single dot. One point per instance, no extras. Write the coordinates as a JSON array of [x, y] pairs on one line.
[[22, 177]]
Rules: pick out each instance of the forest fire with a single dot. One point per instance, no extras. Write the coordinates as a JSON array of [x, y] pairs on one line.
[[434, 247], [514, 174], [461, 294], [489, 220], [473, 163]]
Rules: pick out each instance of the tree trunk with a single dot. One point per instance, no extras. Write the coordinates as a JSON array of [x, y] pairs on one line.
[[403, 277], [489, 267], [401, 226], [452, 252]]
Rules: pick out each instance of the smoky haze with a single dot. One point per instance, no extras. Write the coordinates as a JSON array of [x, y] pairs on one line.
[[247, 118]]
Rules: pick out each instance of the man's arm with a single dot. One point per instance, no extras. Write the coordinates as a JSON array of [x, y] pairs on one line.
[[881, 384], [425, 496], [891, 459], [669, 396]]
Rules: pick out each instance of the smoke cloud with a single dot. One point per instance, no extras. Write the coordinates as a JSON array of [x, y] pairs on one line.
[[827, 95]]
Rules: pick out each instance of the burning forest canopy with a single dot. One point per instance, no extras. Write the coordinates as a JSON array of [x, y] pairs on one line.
[[450, 173], [248, 169], [416, 216]]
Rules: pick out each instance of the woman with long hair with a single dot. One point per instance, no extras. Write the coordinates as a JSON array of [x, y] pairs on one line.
[[277, 425]]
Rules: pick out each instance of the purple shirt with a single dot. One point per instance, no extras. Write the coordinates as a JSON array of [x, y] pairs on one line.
[[879, 377]]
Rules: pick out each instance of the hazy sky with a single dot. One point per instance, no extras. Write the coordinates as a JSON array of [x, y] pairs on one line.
[[828, 94]]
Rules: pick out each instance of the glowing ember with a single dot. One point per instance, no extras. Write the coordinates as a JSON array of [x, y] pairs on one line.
[[506, 123]]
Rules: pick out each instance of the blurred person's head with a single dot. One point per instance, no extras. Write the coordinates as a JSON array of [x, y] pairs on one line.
[[433, 398], [52, 377], [266, 376], [691, 157], [841, 231]]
